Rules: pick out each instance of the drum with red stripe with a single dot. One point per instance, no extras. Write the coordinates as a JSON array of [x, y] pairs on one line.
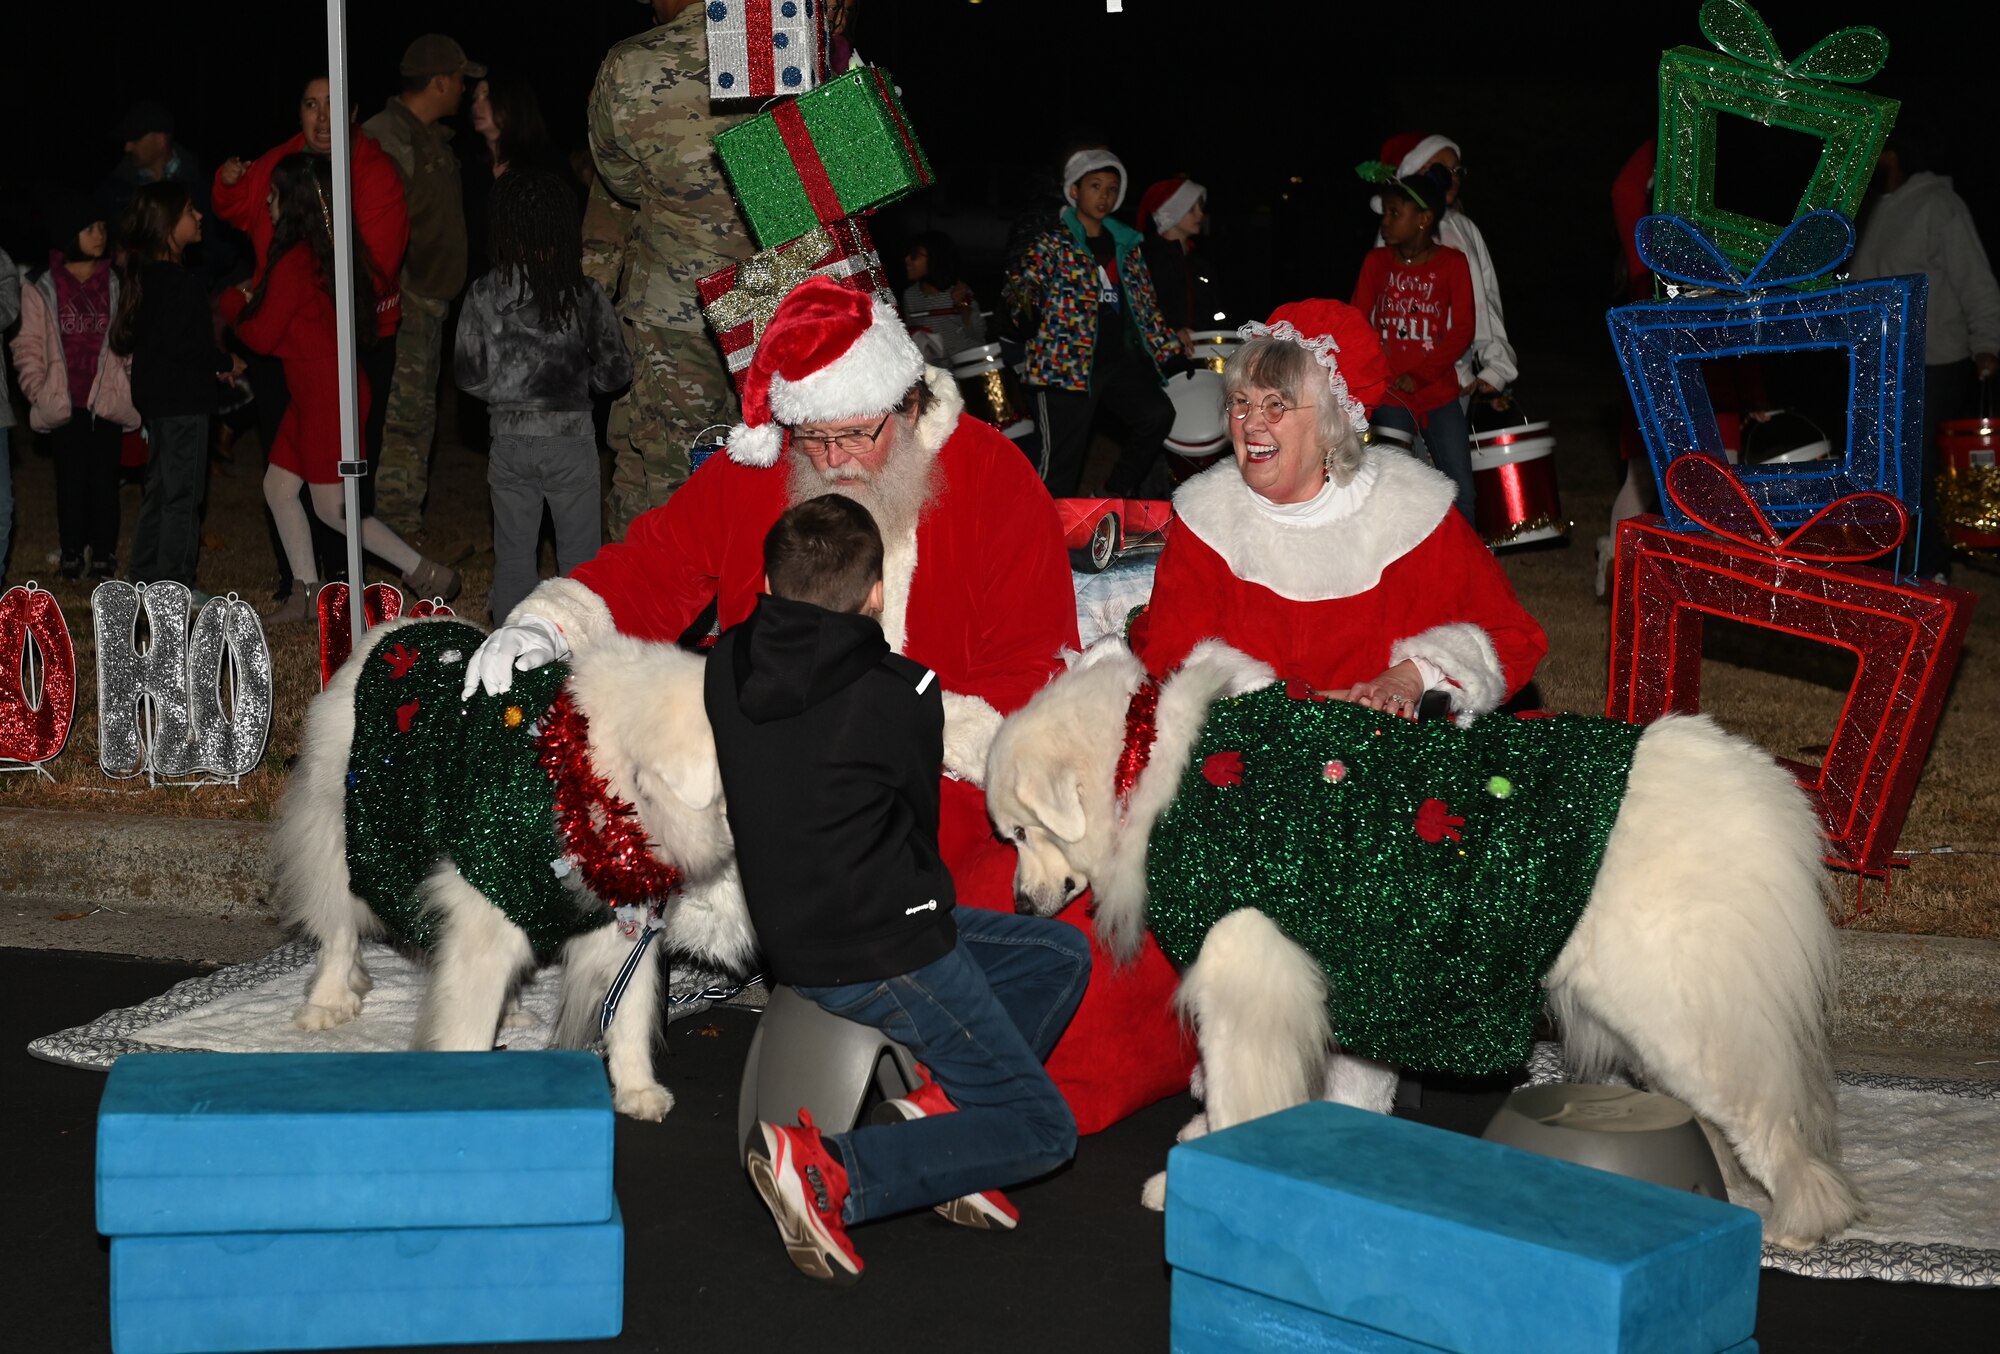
[[1514, 472]]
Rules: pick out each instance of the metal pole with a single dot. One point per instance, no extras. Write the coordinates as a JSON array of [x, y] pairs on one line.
[[353, 458]]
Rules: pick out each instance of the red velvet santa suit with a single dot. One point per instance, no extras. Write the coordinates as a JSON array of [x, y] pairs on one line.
[[1386, 572], [980, 592]]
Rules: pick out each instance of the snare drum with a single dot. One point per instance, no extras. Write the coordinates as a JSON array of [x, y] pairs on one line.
[[991, 391], [1214, 347], [1391, 439], [1514, 473]]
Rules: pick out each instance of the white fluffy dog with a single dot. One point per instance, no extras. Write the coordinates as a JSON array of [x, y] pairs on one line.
[[1703, 962], [649, 738]]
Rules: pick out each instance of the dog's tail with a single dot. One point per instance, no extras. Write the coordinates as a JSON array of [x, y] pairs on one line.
[[1258, 1005]]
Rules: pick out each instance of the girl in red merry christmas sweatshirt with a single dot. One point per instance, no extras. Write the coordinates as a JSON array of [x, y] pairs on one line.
[[1419, 295]]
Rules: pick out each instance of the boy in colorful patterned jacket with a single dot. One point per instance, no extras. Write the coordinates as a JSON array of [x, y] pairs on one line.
[[1099, 341]]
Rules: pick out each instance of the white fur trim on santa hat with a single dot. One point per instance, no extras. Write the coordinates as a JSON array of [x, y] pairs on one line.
[[1178, 204], [757, 446], [1419, 156], [1089, 162], [875, 372]]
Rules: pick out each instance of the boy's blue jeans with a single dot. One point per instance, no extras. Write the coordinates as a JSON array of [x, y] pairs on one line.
[[1447, 435], [982, 1019]]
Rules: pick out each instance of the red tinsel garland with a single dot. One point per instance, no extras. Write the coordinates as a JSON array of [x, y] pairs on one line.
[[598, 830], [1142, 719]]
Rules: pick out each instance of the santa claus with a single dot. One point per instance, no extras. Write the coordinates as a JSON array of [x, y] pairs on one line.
[[976, 586], [1341, 566]]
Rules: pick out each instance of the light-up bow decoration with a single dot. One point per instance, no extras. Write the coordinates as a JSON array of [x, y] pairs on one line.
[[1726, 313], [1858, 527], [1750, 77]]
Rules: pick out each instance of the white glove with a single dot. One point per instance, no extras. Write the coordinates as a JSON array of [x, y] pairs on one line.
[[518, 646]]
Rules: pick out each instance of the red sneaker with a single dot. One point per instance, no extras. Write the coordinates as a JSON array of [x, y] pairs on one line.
[[986, 1209], [805, 1186]]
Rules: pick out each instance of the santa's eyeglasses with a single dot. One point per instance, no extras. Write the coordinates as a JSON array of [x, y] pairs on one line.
[[851, 441]]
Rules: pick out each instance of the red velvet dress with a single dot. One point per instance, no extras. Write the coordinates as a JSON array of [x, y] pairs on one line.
[[1338, 602], [295, 324], [989, 606]]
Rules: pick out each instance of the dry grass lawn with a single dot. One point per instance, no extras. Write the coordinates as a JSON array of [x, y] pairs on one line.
[[1786, 696]]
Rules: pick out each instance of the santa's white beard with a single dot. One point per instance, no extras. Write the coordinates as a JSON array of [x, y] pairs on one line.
[[895, 497]]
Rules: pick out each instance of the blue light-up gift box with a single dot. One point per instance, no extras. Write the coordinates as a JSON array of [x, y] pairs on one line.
[[1719, 313]]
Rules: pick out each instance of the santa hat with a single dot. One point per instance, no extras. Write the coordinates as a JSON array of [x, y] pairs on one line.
[[828, 353], [1166, 202], [1410, 152], [1342, 340], [1089, 162]]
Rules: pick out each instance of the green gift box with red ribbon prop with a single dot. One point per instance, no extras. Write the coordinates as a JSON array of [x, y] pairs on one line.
[[1749, 76], [834, 152]]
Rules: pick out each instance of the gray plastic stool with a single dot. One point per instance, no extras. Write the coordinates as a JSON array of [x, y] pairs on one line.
[[804, 1057], [1614, 1128]]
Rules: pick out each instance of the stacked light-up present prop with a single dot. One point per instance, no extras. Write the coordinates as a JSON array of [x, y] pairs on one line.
[[1750, 77], [1783, 547], [804, 173], [740, 300], [757, 48]]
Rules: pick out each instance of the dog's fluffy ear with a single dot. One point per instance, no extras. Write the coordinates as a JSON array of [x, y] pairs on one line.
[[689, 774], [1105, 647], [1056, 800]]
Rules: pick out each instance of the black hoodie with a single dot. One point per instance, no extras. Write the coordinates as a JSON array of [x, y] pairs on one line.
[[830, 748]]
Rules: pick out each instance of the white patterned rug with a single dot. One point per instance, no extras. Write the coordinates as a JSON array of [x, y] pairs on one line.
[[1924, 1155], [247, 1008]]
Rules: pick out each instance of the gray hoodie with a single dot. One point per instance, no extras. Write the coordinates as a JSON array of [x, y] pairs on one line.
[[1925, 227], [537, 382]]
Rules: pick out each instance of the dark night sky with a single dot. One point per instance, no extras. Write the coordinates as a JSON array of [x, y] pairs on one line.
[[1246, 95]]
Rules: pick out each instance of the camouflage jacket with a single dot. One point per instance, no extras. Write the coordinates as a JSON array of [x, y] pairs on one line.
[[653, 138], [1055, 283]]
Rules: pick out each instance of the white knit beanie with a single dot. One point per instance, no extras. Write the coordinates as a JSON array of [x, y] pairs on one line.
[[1087, 161]]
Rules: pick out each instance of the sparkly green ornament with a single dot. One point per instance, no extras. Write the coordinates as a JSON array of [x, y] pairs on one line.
[[432, 778], [1499, 787], [1434, 904], [1749, 77]]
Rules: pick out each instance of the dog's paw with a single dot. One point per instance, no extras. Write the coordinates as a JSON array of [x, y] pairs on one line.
[[650, 1103], [1154, 1193], [318, 1016], [1196, 1127]]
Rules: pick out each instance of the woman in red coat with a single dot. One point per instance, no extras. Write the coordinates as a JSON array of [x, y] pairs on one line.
[[1342, 567], [289, 314]]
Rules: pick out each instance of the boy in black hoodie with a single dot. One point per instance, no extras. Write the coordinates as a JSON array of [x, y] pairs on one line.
[[830, 747]]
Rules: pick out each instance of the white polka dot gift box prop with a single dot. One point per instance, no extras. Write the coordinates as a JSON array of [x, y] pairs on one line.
[[757, 48]]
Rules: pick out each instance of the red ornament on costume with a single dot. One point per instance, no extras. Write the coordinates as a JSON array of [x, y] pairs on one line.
[[405, 714], [599, 831], [1223, 769], [401, 658], [1435, 821]]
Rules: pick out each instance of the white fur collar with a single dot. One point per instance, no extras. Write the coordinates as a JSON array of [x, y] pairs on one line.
[[1316, 560]]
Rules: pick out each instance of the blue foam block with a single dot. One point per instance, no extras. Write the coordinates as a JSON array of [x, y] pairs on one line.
[[1219, 1318], [283, 1142], [1451, 1241], [335, 1290]]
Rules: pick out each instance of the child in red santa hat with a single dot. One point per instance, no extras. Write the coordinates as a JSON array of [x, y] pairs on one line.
[[1419, 295], [1172, 213]]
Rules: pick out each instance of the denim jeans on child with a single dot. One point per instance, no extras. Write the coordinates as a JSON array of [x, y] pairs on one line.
[[1447, 436], [982, 1018], [167, 543]]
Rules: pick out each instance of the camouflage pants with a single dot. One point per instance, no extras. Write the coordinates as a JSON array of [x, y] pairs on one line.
[[410, 417], [679, 387]]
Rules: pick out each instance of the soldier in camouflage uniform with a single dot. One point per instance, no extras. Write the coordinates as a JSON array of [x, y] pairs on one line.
[[652, 135]]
